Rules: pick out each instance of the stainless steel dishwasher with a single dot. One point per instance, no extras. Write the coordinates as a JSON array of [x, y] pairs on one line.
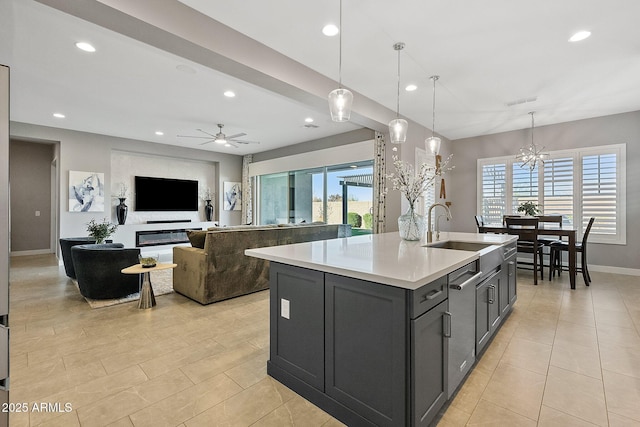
[[462, 309]]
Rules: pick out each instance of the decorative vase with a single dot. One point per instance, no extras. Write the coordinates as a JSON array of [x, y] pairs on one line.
[[121, 211], [208, 211], [411, 225]]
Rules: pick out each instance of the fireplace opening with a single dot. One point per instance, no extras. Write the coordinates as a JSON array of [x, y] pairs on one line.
[[162, 237]]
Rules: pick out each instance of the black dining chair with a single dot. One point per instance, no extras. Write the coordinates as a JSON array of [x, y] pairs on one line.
[[556, 255], [479, 222], [546, 241], [527, 231]]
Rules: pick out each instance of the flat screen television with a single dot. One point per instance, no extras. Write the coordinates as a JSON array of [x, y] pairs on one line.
[[165, 194]]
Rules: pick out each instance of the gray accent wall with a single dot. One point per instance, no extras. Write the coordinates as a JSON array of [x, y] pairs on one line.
[[30, 178], [615, 129]]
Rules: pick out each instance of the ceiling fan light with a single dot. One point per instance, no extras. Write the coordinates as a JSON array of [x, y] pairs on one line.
[[221, 140], [433, 144], [340, 101], [398, 131]]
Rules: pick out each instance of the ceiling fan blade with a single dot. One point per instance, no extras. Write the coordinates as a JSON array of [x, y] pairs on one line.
[[206, 142], [205, 132], [231, 144], [238, 135], [245, 142], [191, 136]]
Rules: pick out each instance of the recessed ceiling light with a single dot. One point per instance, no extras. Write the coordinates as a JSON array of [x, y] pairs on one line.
[[580, 35], [85, 46], [411, 88], [159, 133], [330, 30], [227, 145], [229, 94], [59, 115], [308, 120]]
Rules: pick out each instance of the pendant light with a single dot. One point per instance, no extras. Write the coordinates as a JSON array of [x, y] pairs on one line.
[[531, 155], [433, 142], [398, 127], [340, 99]]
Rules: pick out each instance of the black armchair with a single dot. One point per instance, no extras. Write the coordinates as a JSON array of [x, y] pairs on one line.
[[98, 270], [66, 244]]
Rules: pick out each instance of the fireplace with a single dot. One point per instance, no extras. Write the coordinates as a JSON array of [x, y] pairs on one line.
[[162, 237]]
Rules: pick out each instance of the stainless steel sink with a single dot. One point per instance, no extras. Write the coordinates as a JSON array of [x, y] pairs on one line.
[[461, 246], [490, 255]]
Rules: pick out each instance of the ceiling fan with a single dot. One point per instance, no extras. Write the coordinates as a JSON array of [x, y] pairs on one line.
[[221, 138]]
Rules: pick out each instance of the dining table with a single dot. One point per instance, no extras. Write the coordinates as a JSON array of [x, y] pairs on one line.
[[546, 229]]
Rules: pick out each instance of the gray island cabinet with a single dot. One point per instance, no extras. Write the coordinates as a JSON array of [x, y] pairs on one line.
[[362, 326]]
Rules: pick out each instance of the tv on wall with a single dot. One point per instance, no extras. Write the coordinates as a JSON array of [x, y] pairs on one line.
[[165, 194]]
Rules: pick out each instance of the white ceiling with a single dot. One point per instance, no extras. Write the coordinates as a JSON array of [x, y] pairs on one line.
[[488, 54]]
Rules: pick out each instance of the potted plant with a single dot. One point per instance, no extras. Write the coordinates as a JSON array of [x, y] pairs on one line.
[[101, 230], [529, 208]]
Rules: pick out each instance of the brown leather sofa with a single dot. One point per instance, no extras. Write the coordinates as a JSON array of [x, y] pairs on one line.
[[220, 270]]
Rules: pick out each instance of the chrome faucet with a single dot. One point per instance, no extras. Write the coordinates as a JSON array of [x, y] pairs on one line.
[[430, 232]]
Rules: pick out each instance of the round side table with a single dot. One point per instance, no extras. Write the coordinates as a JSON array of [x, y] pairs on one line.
[[147, 299]]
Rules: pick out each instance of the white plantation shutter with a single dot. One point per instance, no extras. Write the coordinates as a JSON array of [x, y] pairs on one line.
[[494, 192], [577, 184], [525, 185], [558, 188], [600, 193]]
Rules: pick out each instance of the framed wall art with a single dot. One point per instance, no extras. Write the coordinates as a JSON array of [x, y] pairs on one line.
[[86, 191], [232, 196]]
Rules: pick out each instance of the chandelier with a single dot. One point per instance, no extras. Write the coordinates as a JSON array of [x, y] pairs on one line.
[[532, 154]]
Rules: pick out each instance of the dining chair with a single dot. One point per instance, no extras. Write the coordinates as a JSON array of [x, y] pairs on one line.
[[527, 231], [479, 221], [558, 247], [546, 241]]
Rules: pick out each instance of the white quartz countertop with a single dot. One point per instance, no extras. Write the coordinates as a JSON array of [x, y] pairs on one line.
[[382, 258]]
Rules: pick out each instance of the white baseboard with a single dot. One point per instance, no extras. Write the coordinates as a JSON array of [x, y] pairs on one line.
[[615, 270], [33, 252]]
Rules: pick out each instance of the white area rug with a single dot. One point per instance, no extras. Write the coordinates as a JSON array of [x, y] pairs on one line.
[[161, 282]]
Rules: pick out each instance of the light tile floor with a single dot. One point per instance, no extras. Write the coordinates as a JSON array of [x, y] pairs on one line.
[[562, 358]]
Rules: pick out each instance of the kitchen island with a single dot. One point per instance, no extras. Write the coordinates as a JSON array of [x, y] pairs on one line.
[[362, 326]]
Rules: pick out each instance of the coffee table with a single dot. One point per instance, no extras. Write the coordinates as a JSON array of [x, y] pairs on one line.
[[147, 299]]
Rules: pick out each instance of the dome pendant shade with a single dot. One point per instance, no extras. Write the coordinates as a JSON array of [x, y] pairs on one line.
[[340, 101], [433, 145], [398, 130]]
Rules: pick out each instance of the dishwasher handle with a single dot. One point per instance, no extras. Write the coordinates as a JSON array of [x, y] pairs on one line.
[[473, 279]]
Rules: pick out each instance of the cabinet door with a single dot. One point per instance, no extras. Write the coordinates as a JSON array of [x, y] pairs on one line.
[[297, 322], [366, 341], [487, 310], [511, 280], [429, 364], [503, 291]]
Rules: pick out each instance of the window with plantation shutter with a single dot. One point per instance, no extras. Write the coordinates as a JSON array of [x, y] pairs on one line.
[[577, 184], [494, 191], [525, 185], [558, 188], [600, 192]]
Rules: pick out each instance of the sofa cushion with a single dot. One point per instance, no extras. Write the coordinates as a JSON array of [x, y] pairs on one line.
[[197, 238]]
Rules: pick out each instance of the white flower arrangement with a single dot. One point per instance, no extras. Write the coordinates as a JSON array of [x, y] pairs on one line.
[[122, 193], [412, 183], [207, 194]]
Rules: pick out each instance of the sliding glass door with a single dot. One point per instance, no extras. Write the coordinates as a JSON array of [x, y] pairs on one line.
[[339, 194]]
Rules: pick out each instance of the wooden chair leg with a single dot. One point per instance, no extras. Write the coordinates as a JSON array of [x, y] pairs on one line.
[[585, 272]]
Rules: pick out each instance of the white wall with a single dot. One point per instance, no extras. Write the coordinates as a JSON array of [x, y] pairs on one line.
[[92, 152], [616, 129]]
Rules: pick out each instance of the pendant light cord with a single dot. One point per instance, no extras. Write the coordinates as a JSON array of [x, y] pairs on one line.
[[532, 126], [398, 47], [340, 49], [433, 126]]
